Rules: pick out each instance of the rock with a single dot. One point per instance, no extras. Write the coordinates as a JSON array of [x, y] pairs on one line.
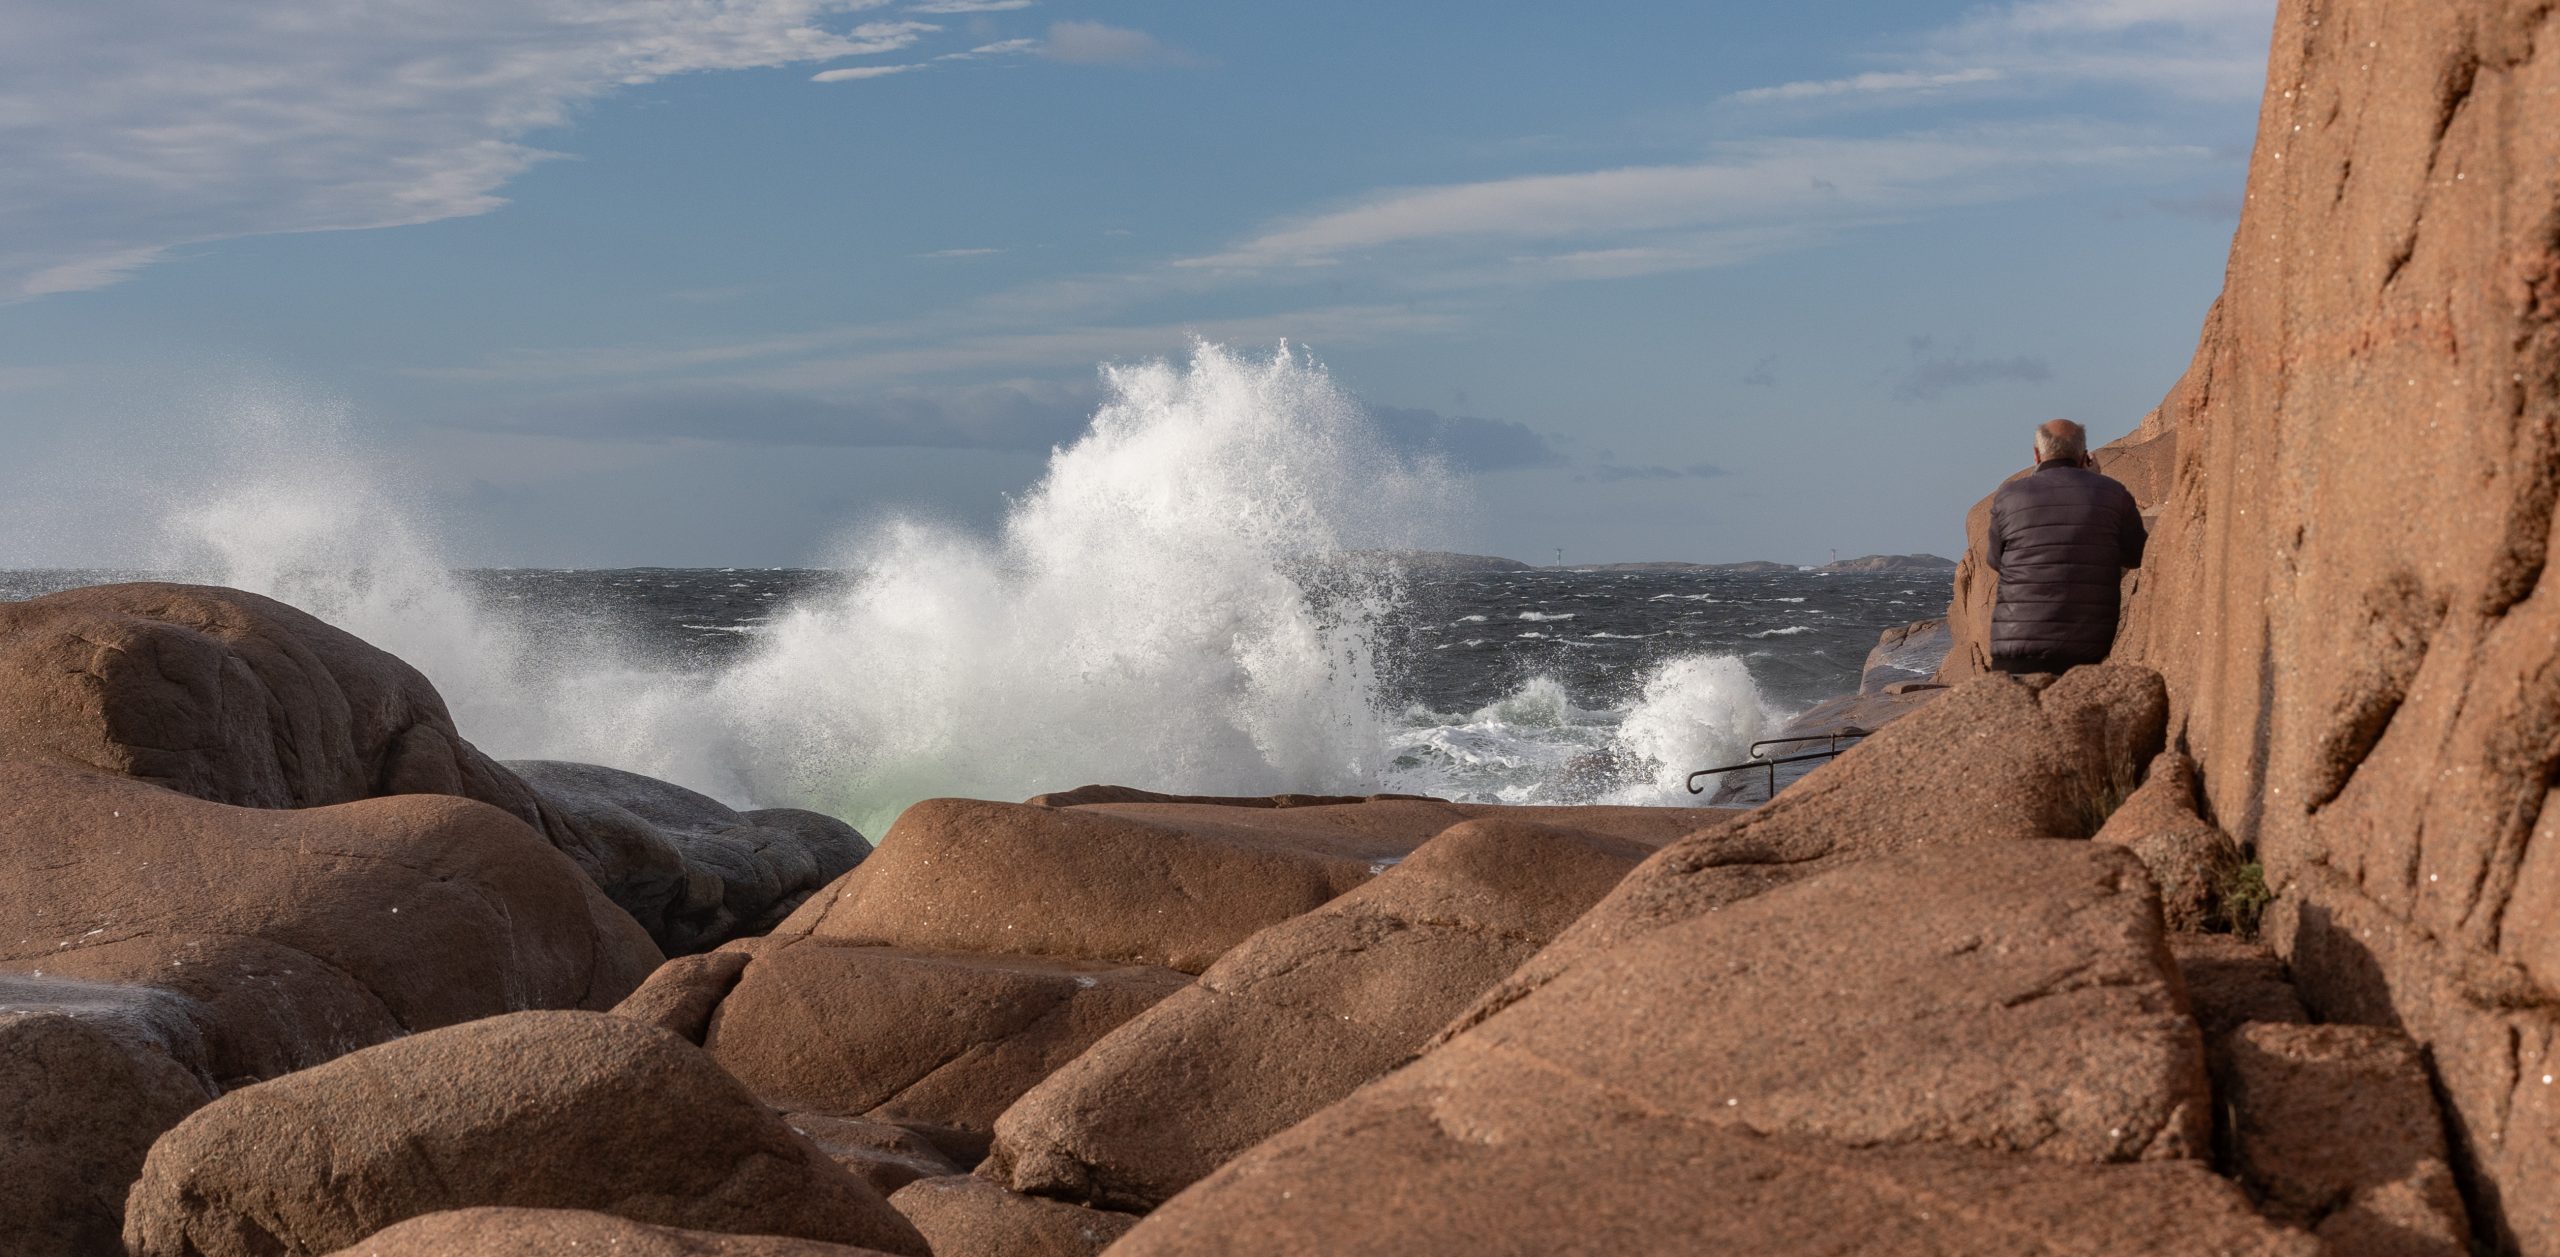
[[551, 1232], [2336, 1128], [1994, 759], [1889, 563], [971, 1217], [2190, 859], [1086, 795], [1298, 1015], [300, 934], [694, 872], [2231, 981], [89, 1076], [680, 996], [949, 1039], [1909, 652], [560, 1110], [232, 698], [1535, 1145], [885, 1156], [1953, 1050], [2350, 593]]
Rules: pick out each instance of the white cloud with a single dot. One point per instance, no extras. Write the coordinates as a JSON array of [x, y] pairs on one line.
[[852, 73], [1774, 184], [2206, 50], [1000, 48], [131, 128], [969, 6], [1868, 84], [1093, 43]]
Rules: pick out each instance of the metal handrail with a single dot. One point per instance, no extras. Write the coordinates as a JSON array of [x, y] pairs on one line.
[[1759, 761]]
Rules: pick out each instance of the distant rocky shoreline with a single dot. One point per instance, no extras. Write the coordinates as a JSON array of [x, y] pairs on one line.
[[1443, 561]]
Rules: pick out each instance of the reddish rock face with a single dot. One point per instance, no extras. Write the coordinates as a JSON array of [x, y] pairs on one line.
[[1298, 1015], [2189, 858], [1952, 1050], [545, 1110], [85, 1086], [2334, 1128], [2349, 588], [551, 1232]]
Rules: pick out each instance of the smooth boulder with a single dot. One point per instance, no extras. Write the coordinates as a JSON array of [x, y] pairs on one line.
[[971, 1217], [562, 1110], [300, 934], [2190, 859], [1300, 1014], [938, 1039]]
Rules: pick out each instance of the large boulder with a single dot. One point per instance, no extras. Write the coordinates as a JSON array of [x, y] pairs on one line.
[[2350, 588], [299, 934], [695, 872], [1994, 759], [1951, 1050], [1298, 1015], [494, 1232], [944, 1040], [89, 1076], [556, 1110], [232, 698], [1151, 883]]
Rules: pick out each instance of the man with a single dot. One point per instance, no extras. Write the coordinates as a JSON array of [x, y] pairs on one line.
[[2060, 540]]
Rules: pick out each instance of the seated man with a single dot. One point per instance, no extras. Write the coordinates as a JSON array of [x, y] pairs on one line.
[[2060, 541]]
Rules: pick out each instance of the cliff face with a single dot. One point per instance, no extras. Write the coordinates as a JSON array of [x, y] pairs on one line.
[[2347, 591]]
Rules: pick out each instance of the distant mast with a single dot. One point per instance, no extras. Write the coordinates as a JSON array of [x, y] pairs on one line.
[[1559, 556]]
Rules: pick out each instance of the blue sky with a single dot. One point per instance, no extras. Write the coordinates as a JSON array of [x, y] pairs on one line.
[[708, 281]]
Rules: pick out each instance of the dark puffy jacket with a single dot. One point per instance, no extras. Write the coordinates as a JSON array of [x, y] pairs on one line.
[[2060, 541]]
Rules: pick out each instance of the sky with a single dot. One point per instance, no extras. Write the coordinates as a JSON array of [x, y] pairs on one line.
[[716, 282]]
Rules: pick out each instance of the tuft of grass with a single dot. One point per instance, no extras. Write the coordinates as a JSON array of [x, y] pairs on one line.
[[2240, 902]]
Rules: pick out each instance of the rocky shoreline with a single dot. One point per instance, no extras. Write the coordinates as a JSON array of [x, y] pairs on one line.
[[2243, 943]]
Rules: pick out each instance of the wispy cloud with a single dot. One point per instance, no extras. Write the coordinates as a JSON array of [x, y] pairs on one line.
[[133, 128], [1933, 375], [969, 6], [856, 73], [1094, 43], [2209, 50], [1778, 186], [1877, 83]]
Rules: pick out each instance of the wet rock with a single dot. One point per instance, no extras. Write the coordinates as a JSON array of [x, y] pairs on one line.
[[1298, 1015], [89, 1076], [692, 871], [560, 1110], [1993, 760], [971, 1217], [2336, 1128], [887, 1157], [2190, 859], [494, 1232], [947, 1039]]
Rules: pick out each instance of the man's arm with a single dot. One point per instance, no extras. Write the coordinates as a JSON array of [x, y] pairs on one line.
[[2131, 536], [1992, 544]]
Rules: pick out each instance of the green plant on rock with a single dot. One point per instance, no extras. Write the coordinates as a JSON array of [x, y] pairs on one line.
[[2240, 902]]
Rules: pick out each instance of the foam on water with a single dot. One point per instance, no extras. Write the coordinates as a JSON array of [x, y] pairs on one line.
[[1177, 605]]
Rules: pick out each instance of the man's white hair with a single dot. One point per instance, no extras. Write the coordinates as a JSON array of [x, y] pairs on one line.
[[2061, 438]]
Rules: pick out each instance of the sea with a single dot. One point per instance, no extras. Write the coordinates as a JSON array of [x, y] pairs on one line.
[[1207, 593]]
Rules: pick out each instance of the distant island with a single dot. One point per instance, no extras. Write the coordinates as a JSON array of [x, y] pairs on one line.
[[1444, 561]]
